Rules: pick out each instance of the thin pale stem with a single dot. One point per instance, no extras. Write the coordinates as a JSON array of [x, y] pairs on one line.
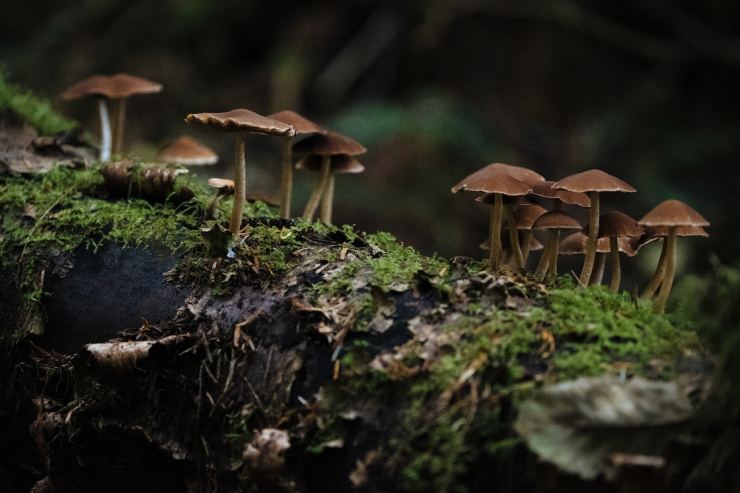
[[497, 211], [119, 118], [553, 267], [526, 245], [665, 287], [105, 132], [593, 238], [615, 261], [516, 249], [286, 181], [240, 183], [318, 189], [544, 262], [327, 200], [598, 274], [657, 279], [210, 212]]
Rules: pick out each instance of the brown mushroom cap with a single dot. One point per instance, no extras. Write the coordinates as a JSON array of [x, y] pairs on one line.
[[614, 223], [188, 151], [593, 180], [526, 216], [534, 244], [662, 231], [340, 163], [241, 119], [673, 213], [555, 220], [329, 144], [113, 87], [301, 124], [492, 182], [544, 189], [575, 244], [223, 185], [518, 173]]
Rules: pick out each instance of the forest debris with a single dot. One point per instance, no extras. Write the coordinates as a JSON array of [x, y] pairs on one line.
[[153, 183], [266, 451], [124, 356], [581, 424], [360, 475], [22, 152]]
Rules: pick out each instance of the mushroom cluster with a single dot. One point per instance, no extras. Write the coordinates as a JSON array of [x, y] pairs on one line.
[[510, 191]]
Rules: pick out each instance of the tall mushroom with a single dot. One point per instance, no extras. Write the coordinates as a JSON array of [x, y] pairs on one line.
[[660, 233], [575, 244], [326, 146], [615, 225], [500, 184], [553, 222], [303, 127], [188, 152], [593, 182], [119, 88], [524, 217], [339, 164], [240, 122], [671, 214]]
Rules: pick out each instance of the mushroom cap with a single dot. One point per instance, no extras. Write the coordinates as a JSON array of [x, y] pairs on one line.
[[111, 86], [301, 124], [241, 119], [575, 244], [224, 185], [662, 231], [534, 246], [544, 189], [188, 151], [556, 220], [340, 163], [493, 182], [593, 180], [329, 144], [526, 216], [673, 213], [523, 175], [614, 223]]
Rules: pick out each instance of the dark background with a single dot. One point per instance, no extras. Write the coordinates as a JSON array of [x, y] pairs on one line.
[[646, 90]]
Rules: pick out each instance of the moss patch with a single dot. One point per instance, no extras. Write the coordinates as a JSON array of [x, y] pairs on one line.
[[30, 109]]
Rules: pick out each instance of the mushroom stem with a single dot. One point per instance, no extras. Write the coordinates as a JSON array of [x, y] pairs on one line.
[[286, 181], [598, 273], [240, 183], [553, 267], [665, 287], [495, 233], [210, 212], [544, 262], [615, 261], [327, 200], [313, 201], [516, 250], [119, 118], [526, 245], [658, 276], [593, 238], [105, 134]]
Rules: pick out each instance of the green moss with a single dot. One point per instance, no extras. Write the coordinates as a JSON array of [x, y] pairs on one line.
[[31, 109]]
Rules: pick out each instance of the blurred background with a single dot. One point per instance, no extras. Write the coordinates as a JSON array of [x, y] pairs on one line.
[[435, 89]]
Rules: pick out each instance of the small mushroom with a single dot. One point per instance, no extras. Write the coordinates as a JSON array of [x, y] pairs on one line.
[[593, 182], [240, 122], [500, 184], [553, 222], [339, 164], [615, 225], [224, 188], [326, 146], [187, 151], [525, 216], [119, 88], [671, 214], [303, 127], [575, 244]]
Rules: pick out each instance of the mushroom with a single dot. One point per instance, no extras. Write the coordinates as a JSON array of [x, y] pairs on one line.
[[553, 222], [524, 217], [339, 164], [326, 146], [303, 127], [575, 244], [188, 152], [499, 184], [593, 181], [671, 214], [118, 87], [240, 121], [615, 225], [224, 187], [659, 233]]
